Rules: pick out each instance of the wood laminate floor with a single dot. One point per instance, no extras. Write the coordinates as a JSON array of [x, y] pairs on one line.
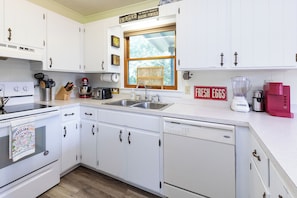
[[85, 183]]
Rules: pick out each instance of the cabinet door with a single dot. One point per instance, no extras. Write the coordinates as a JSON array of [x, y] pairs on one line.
[[98, 47], [88, 143], [70, 144], [143, 155], [111, 149], [24, 24], [258, 189], [64, 43], [277, 187], [95, 46], [207, 40], [264, 33]]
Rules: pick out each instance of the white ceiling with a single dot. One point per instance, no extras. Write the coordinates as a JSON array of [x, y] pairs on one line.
[[89, 7]]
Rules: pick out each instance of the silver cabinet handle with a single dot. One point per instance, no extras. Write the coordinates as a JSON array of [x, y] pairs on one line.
[[88, 114]]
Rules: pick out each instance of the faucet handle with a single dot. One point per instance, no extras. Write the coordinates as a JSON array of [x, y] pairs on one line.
[[156, 98]]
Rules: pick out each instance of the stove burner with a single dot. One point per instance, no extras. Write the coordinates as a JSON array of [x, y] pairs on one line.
[[22, 107]]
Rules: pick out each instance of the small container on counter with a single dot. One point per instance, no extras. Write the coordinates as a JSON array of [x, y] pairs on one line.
[[258, 101]]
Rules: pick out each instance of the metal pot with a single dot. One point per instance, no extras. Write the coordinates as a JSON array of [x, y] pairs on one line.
[[3, 101]]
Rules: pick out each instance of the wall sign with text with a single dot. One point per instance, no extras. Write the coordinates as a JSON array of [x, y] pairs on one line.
[[210, 93]]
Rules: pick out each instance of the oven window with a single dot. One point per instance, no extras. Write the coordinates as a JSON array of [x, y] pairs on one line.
[[40, 147]]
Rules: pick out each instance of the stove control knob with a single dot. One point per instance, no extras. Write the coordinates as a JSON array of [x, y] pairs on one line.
[[25, 88], [16, 89]]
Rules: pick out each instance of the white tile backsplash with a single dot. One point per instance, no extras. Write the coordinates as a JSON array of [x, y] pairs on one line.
[[19, 70]]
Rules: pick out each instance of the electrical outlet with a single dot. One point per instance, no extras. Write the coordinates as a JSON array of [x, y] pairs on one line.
[[187, 90]]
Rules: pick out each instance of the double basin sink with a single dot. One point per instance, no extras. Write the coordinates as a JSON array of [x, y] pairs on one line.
[[139, 104]]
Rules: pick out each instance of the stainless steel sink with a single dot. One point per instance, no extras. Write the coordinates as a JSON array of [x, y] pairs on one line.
[[138, 104], [124, 103], [150, 105]]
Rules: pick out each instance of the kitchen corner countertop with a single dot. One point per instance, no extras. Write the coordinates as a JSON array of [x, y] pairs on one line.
[[276, 135]]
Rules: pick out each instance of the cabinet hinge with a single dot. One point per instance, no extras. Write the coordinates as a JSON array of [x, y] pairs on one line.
[[80, 157], [159, 142], [296, 57], [43, 43], [76, 126], [43, 16], [160, 184], [250, 166], [178, 11], [76, 158], [79, 29], [97, 163], [178, 62]]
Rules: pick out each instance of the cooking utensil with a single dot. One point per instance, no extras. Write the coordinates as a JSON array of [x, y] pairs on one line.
[[42, 84]]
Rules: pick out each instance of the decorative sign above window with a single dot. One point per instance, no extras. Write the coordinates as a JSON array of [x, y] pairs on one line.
[[139, 15]]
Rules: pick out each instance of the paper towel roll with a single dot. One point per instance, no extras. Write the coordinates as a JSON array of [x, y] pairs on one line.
[[109, 77]]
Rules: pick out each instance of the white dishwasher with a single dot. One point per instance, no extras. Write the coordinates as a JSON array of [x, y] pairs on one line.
[[199, 159]]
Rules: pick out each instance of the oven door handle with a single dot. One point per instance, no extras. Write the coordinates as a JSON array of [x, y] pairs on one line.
[[41, 116]]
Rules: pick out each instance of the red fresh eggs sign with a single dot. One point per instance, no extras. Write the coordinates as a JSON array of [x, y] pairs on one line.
[[210, 93]]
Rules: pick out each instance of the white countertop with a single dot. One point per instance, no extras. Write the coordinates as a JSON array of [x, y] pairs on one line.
[[277, 136]]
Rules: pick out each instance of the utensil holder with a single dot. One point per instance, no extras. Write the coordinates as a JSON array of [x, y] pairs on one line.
[[45, 94], [63, 94]]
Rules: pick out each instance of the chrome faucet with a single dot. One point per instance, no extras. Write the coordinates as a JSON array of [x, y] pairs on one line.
[[145, 91]]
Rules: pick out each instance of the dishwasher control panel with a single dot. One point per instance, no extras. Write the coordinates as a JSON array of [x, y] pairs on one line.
[[201, 130]]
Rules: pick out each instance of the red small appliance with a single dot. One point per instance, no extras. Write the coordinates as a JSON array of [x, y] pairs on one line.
[[277, 99]]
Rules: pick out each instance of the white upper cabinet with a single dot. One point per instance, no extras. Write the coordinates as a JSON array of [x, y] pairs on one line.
[[22, 29], [214, 34], [202, 34], [264, 33], [98, 49], [64, 43]]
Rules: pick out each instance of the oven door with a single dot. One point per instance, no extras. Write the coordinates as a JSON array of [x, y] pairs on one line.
[[47, 147]]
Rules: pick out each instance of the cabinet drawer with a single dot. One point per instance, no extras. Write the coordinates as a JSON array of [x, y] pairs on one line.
[[134, 120], [70, 114], [88, 113], [261, 160]]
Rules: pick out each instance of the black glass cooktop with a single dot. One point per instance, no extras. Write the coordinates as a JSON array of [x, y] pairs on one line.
[[22, 107]]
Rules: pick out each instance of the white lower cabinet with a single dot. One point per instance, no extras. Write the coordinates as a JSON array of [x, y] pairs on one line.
[[70, 138], [277, 187], [88, 142], [258, 188], [128, 151]]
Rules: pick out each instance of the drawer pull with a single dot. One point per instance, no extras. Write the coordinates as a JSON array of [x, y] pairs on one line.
[[65, 131], [120, 135], [279, 196], [93, 127], [88, 114], [256, 155], [129, 138], [69, 114]]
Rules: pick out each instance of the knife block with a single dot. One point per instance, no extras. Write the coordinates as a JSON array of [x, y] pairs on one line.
[[63, 94]]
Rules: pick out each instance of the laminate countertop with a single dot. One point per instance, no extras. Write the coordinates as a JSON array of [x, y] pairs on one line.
[[276, 135]]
